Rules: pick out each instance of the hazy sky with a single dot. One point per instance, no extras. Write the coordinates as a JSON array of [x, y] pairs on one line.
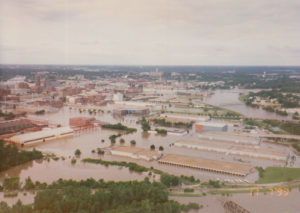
[[153, 32]]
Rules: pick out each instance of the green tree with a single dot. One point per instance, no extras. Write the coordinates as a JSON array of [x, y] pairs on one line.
[[170, 180], [28, 184], [73, 161], [77, 152], [145, 125], [11, 156], [11, 183], [132, 142], [152, 147], [100, 152]]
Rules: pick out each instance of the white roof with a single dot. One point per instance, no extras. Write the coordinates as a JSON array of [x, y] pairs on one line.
[[40, 134]]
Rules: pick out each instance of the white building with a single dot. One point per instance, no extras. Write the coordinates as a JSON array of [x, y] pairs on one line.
[[41, 136], [210, 126], [118, 97], [233, 149]]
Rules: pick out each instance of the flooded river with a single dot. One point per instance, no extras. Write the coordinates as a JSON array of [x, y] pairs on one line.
[[260, 203], [230, 99]]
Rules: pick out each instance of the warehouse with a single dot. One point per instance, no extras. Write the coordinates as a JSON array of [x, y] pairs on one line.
[[172, 122], [136, 153], [13, 126], [209, 126], [230, 138], [207, 165], [41, 136], [193, 118], [233, 149], [79, 122]]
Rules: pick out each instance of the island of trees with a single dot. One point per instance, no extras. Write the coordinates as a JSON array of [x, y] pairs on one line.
[[119, 126]]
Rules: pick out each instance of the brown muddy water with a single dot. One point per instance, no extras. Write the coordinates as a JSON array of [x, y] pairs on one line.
[[229, 99], [261, 203], [86, 141], [90, 140]]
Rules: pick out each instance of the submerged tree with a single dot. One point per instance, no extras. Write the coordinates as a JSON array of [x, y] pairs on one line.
[[145, 125], [152, 147]]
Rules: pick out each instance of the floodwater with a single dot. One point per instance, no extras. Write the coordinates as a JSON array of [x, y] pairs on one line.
[[48, 172], [89, 140], [24, 197], [260, 203], [230, 99]]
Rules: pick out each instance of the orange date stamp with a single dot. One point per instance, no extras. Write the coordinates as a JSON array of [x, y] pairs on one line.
[[276, 191]]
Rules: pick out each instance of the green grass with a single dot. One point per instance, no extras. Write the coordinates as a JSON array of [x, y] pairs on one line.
[[297, 147], [186, 195], [238, 191], [279, 174], [132, 166], [236, 186], [214, 192], [11, 194]]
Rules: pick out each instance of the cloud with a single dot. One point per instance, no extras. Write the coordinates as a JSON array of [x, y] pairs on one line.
[[151, 32]]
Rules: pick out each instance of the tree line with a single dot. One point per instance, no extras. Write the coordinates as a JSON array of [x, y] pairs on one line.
[[64, 196], [10, 156]]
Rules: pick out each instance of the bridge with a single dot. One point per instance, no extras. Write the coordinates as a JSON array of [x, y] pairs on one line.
[[232, 207]]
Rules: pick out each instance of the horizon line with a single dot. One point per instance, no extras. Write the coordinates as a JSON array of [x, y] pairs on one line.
[[138, 65]]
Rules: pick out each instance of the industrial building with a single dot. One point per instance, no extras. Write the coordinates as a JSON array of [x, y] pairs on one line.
[[118, 97], [210, 126], [136, 153], [80, 122], [41, 136], [193, 118], [230, 138], [233, 149], [174, 120], [173, 131], [206, 165], [13, 126]]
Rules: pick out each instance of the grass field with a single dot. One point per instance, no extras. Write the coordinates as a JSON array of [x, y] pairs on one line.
[[186, 195], [279, 174]]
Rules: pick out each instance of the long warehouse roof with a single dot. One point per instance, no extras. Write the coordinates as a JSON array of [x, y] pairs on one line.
[[40, 134], [207, 164]]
